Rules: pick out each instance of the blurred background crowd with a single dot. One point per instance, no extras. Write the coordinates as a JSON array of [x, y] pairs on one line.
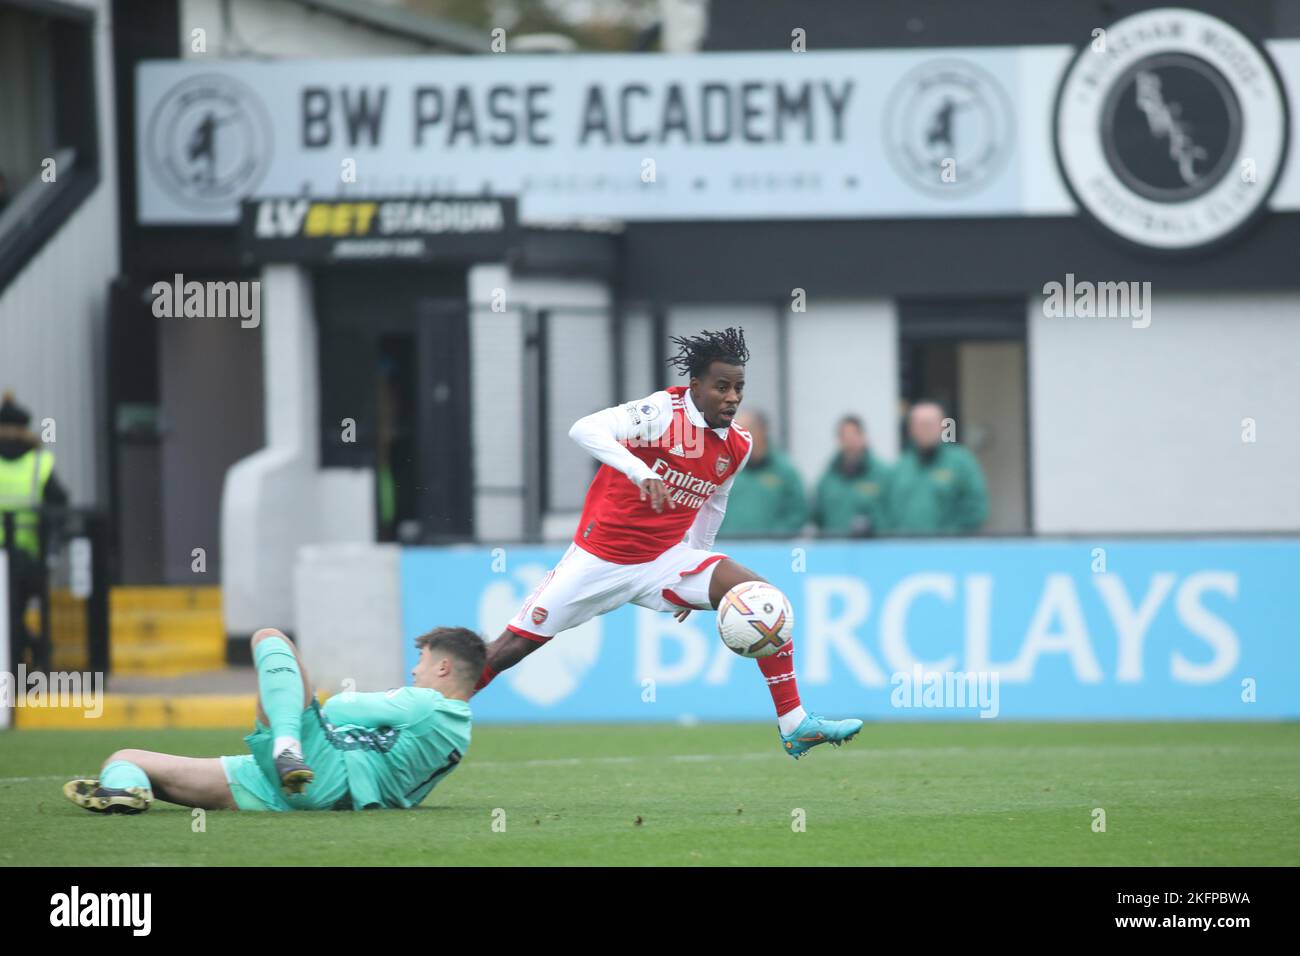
[[935, 487]]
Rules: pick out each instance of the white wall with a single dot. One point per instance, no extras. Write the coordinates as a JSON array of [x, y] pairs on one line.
[[843, 359], [53, 314], [348, 608], [278, 499], [1140, 430]]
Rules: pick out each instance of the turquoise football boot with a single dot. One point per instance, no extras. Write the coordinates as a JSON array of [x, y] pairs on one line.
[[818, 730]]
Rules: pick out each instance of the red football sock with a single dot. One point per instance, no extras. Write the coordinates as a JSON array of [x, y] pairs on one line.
[[778, 670], [485, 678]]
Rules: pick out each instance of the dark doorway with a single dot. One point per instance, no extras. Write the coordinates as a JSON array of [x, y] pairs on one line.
[[395, 395], [168, 462], [969, 356]]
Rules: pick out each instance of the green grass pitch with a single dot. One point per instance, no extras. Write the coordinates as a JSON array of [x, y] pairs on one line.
[[900, 794]]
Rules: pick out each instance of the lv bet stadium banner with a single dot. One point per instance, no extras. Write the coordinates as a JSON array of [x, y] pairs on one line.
[[967, 630], [1171, 130]]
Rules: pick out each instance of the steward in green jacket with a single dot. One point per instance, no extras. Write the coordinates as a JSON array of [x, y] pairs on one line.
[[766, 498], [850, 498], [937, 486]]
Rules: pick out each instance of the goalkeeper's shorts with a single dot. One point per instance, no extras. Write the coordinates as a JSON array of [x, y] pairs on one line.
[[255, 785]]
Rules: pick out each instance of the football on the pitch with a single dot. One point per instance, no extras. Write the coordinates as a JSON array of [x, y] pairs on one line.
[[755, 619]]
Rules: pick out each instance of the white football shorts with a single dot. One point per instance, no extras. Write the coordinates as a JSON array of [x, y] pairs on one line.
[[581, 586]]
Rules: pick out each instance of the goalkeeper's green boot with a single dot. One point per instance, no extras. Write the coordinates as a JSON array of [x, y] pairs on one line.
[[293, 772]]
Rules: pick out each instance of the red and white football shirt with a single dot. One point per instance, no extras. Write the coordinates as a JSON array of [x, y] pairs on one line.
[[663, 436]]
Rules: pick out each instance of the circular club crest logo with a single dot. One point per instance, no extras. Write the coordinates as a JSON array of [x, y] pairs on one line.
[[209, 142], [949, 127], [1174, 134]]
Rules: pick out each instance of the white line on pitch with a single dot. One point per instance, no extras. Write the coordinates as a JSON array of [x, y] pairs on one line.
[[859, 750]]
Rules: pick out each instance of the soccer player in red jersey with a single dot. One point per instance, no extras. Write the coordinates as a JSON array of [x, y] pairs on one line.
[[650, 518]]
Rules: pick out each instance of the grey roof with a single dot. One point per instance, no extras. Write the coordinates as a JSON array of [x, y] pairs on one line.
[[407, 23]]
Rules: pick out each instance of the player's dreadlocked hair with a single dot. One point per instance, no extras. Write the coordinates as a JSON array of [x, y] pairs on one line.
[[697, 352]]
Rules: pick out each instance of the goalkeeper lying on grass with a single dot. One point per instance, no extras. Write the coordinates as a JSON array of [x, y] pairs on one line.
[[358, 751]]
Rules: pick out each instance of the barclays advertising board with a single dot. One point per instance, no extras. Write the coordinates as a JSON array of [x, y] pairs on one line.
[[968, 630]]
